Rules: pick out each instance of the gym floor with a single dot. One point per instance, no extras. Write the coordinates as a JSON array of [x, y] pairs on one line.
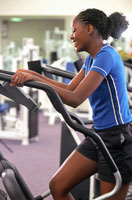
[[38, 161]]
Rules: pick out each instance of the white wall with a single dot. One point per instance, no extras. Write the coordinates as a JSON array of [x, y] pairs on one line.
[[53, 9], [60, 7]]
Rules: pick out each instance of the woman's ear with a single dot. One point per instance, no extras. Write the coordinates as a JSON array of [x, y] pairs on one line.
[[90, 28]]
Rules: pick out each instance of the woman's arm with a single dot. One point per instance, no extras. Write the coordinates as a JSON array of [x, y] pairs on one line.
[[24, 75], [85, 88], [74, 94], [32, 75]]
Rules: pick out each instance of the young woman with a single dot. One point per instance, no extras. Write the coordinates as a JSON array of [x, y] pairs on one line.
[[102, 80]]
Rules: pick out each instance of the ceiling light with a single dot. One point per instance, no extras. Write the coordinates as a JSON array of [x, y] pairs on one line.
[[16, 19]]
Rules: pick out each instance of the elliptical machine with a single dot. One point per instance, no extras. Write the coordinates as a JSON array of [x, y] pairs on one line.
[[12, 180]]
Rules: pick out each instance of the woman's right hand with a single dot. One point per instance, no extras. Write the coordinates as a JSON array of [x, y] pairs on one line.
[[20, 77]]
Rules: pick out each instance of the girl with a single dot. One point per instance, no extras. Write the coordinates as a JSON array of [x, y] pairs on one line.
[[102, 80]]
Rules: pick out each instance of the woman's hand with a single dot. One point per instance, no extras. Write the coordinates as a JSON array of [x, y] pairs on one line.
[[20, 77]]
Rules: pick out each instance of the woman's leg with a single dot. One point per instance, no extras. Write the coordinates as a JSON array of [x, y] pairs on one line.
[[75, 169], [107, 187]]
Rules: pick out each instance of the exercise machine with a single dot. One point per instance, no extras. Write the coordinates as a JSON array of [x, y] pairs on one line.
[[12, 180]]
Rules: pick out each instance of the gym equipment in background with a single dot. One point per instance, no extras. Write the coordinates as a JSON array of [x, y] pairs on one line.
[[23, 129]]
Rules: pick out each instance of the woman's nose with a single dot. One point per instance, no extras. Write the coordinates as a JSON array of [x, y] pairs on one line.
[[71, 37]]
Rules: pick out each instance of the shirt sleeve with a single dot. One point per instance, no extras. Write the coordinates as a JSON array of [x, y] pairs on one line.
[[103, 63], [86, 64]]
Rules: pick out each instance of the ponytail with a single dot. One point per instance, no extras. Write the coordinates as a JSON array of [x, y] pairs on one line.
[[117, 24]]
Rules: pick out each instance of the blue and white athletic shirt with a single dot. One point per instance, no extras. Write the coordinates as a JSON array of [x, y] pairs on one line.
[[109, 101]]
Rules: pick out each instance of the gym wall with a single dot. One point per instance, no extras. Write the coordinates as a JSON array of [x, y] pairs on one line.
[[32, 28]]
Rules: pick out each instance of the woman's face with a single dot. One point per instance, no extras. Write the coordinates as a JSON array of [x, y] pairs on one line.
[[80, 36]]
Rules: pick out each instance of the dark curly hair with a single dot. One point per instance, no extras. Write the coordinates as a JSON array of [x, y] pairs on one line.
[[112, 25]]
